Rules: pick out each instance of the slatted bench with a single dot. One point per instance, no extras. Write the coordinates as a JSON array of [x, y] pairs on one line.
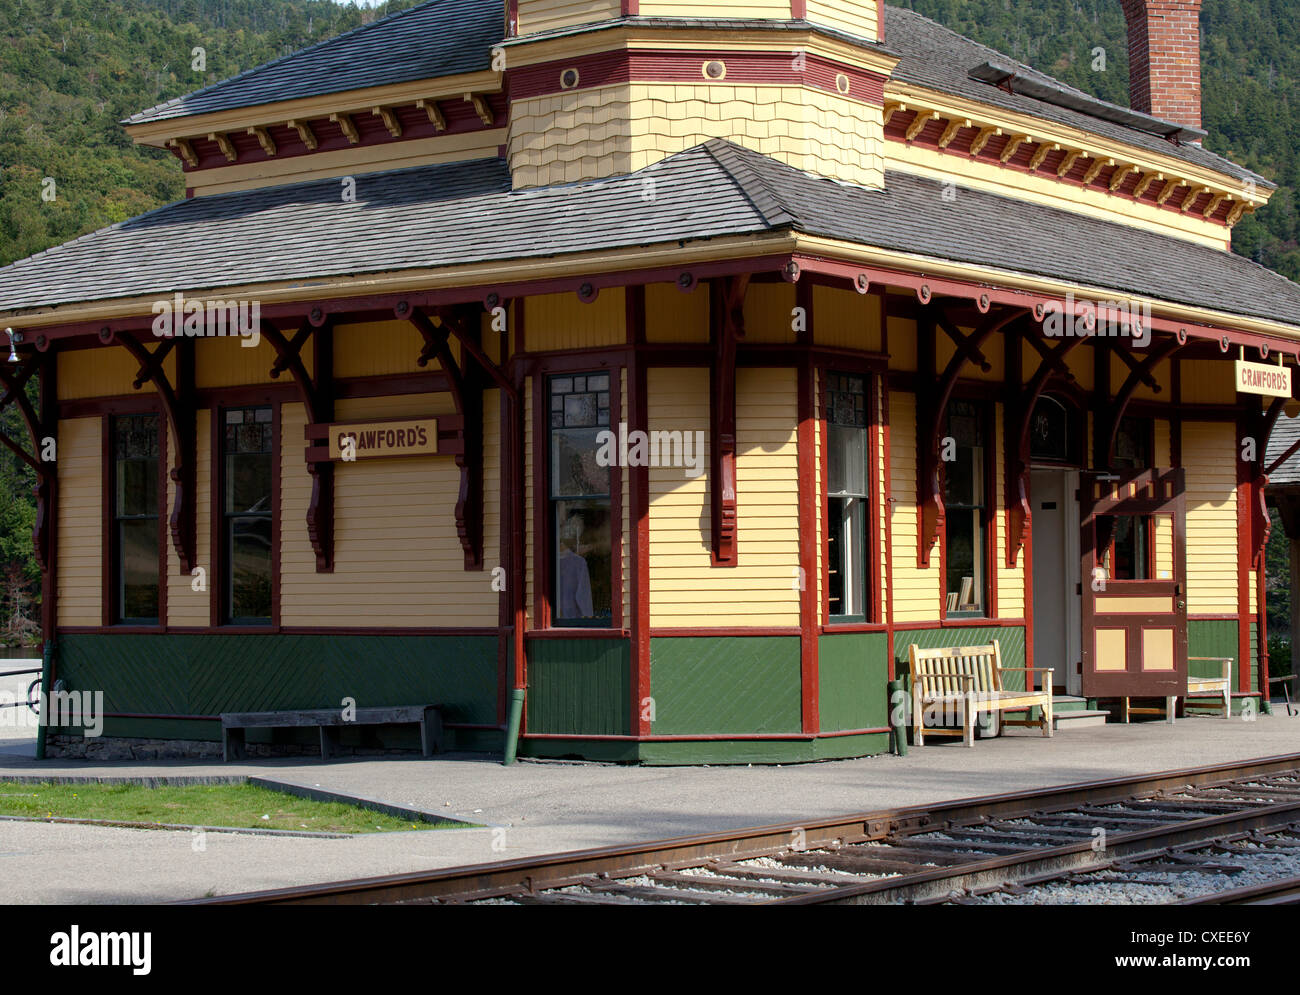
[[969, 679], [329, 721], [1220, 685]]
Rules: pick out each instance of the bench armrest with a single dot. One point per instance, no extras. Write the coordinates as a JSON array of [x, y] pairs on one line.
[[1029, 670]]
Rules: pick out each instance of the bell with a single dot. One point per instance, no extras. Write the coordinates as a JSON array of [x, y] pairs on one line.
[[13, 353]]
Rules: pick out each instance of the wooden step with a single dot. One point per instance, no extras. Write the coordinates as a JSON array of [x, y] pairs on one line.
[[1080, 719]]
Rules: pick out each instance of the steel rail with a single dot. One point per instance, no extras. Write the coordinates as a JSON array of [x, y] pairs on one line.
[[1284, 891], [529, 876]]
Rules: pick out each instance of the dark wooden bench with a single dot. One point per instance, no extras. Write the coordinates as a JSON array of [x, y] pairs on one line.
[[329, 721]]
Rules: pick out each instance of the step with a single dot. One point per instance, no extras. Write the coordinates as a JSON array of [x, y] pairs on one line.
[[1069, 703], [1079, 719]]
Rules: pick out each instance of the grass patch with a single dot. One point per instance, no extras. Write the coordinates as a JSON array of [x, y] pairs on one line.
[[241, 806]]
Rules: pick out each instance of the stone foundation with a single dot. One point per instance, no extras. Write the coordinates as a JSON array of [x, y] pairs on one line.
[[59, 747]]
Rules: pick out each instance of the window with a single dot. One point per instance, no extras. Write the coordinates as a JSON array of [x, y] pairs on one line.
[[1052, 434], [846, 496], [1129, 555], [248, 477], [136, 549], [966, 503], [582, 568]]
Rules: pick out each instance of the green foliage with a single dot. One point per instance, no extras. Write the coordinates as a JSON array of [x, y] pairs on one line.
[[1250, 56]]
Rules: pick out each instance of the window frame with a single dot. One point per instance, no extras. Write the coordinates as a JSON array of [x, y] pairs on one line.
[[986, 414], [868, 568], [112, 606], [546, 608], [219, 583]]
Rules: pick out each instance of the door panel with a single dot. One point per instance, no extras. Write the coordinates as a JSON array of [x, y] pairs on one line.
[[1135, 630]]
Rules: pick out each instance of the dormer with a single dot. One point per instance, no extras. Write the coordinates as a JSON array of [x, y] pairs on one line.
[[608, 87]]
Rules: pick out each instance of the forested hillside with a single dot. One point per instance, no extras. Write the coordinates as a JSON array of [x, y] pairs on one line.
[[71, 69]]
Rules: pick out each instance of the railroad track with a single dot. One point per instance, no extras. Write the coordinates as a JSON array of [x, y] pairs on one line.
[[1154, 838]]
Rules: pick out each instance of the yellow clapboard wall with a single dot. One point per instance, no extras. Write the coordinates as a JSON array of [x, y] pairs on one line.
[[80, 522], [1164, 527], [845, 319], [397, 559], [1209, 456], [380, 347], [102, 372], [769, 313], [227, 362], [916, 592], [673, 315], [560, 321], [536, 16], [1208, 381], [186, 606], [1011, 580], [850, 16], [685, 590]]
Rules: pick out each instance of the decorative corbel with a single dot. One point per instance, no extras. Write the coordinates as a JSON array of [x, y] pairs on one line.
[[466, 386], [727, 320], [317, 396], [1112, 411], [178, 407], [1261, 425]]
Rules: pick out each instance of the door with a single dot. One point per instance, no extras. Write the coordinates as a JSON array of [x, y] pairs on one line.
[[1133, 559], [1056, 575]]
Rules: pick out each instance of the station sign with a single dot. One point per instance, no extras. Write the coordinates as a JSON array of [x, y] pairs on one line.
[[1263, 378], [383, 439]]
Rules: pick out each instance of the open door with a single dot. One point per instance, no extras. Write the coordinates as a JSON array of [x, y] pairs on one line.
[[1133, 559]]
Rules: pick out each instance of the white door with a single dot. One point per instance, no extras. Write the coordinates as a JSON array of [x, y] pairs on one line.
[[1056, 569]]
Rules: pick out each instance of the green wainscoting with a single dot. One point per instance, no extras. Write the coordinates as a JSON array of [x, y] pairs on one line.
[[1011, 640], [729, 684], [854, 678], [579, 687], [214, 673]]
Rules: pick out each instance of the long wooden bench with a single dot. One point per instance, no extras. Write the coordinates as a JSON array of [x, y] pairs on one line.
[[329, 721], [1219, 687], [968, 680]]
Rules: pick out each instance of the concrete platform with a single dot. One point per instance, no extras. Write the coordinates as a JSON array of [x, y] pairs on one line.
[[543, 807]]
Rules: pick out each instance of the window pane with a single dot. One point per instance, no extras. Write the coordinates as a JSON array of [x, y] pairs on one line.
[[964, 478], [846, 470], [250, 568], [137, 487], [574, 469], [846, 544], [138, 549], [248, 484], [135, 437], [965, 559], [1131, 536], [583, 567]]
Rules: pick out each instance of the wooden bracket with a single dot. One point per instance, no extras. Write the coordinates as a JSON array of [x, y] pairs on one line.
[[727, 320], [1261, 425], [178, 403], [1111, 413], [466, 385], [38, 428], [317, 396]]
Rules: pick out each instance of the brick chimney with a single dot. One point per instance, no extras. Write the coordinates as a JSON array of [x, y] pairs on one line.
[[1164, 57]]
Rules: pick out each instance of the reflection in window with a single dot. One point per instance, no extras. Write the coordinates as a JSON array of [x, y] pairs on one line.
[[247, 519], [846, 495], [579, 499], [1128, 557], [135, 511], [965, 501]]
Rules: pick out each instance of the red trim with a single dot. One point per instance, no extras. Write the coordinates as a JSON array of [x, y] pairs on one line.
[[459, 115], [798, 9], [616, 505], [964, 623], [690, 632], [809, 679], [1244, 473], [888, 593], [639, 517], [541, 501], [676, 66], [774, 737], [267, 630], [576, 633], [839, 628], [628, 8]]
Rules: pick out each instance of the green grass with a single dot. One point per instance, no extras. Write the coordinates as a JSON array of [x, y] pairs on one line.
[[242, 806]]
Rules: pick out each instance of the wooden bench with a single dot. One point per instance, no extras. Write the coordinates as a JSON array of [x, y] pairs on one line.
[[969, 679], [1220, 686], [329, 720]]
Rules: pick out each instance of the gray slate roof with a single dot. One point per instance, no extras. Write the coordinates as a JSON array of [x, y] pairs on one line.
[[445, 215], [935, 57], [445, 37], [1286, 433], [439, 38]]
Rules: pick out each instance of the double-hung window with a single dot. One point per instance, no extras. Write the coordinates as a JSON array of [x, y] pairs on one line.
[[847, 497], [579, 501], [248, 531], [136, 552], [966, 509]]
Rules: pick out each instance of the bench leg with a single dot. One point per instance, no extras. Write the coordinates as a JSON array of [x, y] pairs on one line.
[[1227, 704], [918, 723], [1124, 710], [232, 745], [1049, 729], [1171, 707], [431, 732], [328, 741], [968, 722]]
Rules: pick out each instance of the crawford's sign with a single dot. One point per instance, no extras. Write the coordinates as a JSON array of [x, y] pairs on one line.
[[376, 440], [1263, 378]]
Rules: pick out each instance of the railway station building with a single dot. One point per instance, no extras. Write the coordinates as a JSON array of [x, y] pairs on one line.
[[671, 368]]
